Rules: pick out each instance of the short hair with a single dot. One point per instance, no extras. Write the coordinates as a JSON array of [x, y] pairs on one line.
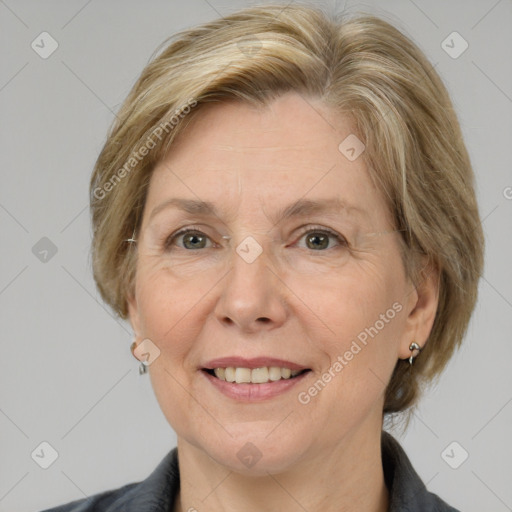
[[359, 66]]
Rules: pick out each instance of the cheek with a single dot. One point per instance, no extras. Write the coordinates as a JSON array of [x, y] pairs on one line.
[[361, 318], [167, 302], [365, 295], [169, 310], [174, 311]]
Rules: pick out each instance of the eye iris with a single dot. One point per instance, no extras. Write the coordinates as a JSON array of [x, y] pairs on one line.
[[318, 236], [194, 238]]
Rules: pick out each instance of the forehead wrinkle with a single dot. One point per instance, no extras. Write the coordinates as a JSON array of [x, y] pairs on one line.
[[309, 207], [241, 149], [300, 208]]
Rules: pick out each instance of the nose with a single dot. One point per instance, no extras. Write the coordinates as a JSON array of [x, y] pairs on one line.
[[252, 296]]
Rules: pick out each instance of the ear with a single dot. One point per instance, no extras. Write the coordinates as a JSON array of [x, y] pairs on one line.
[[421, 307], [134, 315]]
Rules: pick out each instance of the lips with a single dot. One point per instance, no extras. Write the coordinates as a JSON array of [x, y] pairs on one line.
[[256, 362], [250, 392], [257, 371]]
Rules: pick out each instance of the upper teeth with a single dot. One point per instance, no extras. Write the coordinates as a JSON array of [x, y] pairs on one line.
[[256, 375]]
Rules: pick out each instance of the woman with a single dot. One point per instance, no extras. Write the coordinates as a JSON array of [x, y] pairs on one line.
[[284, 210]]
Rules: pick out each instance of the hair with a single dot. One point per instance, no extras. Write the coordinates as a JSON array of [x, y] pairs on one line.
[[358, 66]]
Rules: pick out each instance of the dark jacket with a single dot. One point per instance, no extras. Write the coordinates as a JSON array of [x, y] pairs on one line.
[[157, 492]]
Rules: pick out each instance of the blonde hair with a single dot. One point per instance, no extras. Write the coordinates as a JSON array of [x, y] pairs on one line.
[[360, 66]]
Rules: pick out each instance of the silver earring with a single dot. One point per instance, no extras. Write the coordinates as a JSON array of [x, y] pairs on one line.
[[412, 347], [142, 367]]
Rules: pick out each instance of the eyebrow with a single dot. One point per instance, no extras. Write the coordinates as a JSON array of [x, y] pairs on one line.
[[300, 208]]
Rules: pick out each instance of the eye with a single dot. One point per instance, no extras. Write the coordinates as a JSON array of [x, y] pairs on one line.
[[192, 239], [318, 238]]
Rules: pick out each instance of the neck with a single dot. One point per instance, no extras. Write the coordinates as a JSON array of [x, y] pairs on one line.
[[348, 478]]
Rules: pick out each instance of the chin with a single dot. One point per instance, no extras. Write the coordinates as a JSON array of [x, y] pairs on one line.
[[255, 455]]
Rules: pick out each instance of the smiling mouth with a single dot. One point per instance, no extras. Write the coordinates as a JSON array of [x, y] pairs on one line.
[[261, 375]]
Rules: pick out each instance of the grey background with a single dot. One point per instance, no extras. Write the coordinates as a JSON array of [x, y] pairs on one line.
[[67, 375]]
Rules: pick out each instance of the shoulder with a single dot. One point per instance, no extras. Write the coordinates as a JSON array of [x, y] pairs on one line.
[[156, 493], [104, 501], [407, 492]]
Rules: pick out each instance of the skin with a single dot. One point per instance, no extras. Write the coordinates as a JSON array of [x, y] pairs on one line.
[[291, 303]]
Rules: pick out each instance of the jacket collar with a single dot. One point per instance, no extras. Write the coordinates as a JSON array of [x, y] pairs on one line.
[[407, 492]]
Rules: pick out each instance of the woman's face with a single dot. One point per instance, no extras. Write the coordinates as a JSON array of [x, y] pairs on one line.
[[283, 294]]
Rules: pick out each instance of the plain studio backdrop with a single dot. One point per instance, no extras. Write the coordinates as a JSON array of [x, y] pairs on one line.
[[69, 386]]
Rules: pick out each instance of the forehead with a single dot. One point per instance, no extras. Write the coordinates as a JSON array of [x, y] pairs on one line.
[[290, 126], [237, 156]]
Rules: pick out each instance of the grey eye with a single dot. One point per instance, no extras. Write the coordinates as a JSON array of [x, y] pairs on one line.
[[191, 239], [320, 239], [317, 241]]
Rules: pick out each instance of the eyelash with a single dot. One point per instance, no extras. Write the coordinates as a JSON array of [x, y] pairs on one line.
[[309, 229]]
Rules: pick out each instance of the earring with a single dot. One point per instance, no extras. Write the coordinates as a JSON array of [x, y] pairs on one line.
[[412, 347], [142, 368]]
